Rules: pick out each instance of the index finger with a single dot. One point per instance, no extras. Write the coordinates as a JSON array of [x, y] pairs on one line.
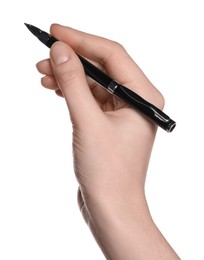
[[114, 58]]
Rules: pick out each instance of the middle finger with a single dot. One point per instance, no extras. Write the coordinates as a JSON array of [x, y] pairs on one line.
[[44, 67]]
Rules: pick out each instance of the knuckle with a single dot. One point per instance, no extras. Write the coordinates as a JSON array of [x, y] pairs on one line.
[[160, 101], [155, 97], [115, 49], [118, 46], [162, 104]]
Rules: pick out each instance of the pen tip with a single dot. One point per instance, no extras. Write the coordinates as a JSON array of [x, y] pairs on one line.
[[27, 25], [33, 29]]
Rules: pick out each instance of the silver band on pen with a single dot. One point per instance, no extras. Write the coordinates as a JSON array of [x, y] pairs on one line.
[[112, 86]]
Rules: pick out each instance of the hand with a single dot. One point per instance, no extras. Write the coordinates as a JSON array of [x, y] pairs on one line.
[[112, 143]]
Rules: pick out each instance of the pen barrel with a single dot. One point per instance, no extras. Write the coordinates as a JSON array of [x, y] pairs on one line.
[[150, 111], [130, 97], [95, 73]]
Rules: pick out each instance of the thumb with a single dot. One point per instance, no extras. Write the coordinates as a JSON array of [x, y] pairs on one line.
[[71, 79]]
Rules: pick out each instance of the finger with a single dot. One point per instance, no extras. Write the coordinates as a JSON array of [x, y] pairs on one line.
[[110, 54], [59, 93], [49, 82], [44, 67], [69, 74], [100, 94], [113, 57]]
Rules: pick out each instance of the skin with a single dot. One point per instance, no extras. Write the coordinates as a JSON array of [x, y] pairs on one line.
[[112, 144]]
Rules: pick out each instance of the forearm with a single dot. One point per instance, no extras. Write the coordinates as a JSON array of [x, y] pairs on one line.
[[128, 231]]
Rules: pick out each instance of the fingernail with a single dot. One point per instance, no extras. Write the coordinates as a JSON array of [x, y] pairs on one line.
[[59, 53]]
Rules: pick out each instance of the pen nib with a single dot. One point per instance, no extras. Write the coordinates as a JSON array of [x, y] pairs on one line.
[[44, 37], [34, 30]]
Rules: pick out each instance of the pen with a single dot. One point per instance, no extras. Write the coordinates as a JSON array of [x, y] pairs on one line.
[[113, 87]]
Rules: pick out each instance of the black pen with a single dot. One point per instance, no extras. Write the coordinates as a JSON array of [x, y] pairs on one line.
[[113, 87]]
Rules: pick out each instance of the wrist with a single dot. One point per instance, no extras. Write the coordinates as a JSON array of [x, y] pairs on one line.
[[127, 231], [108, 211]]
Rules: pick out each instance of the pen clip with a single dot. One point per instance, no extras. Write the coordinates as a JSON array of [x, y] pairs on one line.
[[151, 111], [145, 105]]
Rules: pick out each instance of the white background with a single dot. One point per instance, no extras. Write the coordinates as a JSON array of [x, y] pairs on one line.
[[39, 217]]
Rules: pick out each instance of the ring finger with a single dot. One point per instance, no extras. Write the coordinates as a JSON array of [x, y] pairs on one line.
[[49, 82]]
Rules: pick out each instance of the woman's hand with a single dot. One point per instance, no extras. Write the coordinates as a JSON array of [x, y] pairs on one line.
[[112, 143]]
